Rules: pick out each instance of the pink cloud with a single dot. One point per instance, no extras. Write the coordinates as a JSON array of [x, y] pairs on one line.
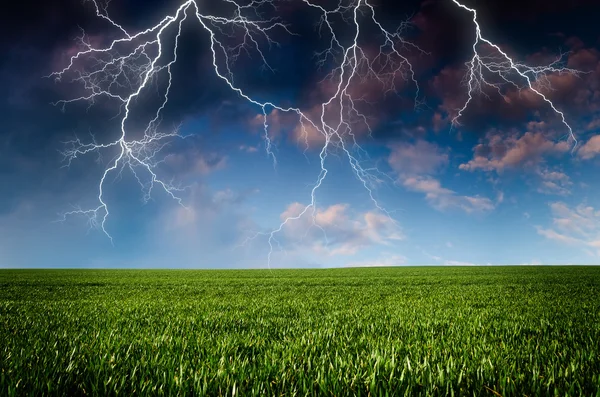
[[346, 232], [590, 149], [420, 158], [307, 131], [498, 153], [575, 95]]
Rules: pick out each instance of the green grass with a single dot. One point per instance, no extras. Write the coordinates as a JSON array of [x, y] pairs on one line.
[[387, 331]]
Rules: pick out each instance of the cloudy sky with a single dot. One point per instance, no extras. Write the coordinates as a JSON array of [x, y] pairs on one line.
[[505, 184]]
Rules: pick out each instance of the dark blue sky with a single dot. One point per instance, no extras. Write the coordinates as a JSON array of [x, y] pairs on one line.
[[503, 187]]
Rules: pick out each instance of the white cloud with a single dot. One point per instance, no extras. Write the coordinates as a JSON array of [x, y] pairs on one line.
[[248, 149], [442, 198], [418, 159], [336, 230], [554, 182], [205, 233], [415, 163], [579, 226]]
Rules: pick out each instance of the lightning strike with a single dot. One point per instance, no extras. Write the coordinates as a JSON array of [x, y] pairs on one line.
[[129, 65], [535, 78], [116, 69]]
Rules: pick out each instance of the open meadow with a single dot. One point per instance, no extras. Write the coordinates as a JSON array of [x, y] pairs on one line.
[[365, 331]]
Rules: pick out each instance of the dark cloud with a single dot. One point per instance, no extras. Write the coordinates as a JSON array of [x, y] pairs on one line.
[[38, 37]]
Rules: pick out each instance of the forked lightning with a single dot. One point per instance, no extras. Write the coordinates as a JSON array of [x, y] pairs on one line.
[[128, 66]]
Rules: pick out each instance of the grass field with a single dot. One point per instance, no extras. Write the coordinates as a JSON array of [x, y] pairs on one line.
[[380, 331]]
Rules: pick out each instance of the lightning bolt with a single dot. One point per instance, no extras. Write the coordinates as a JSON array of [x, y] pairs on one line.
[[123, 70], [130, 63], [534, 78]]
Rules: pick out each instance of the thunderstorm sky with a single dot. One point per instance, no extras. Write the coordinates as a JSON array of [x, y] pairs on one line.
[[505, 186]]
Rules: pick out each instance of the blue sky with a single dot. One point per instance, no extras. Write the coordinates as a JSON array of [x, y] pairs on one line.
[[503, 187]]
